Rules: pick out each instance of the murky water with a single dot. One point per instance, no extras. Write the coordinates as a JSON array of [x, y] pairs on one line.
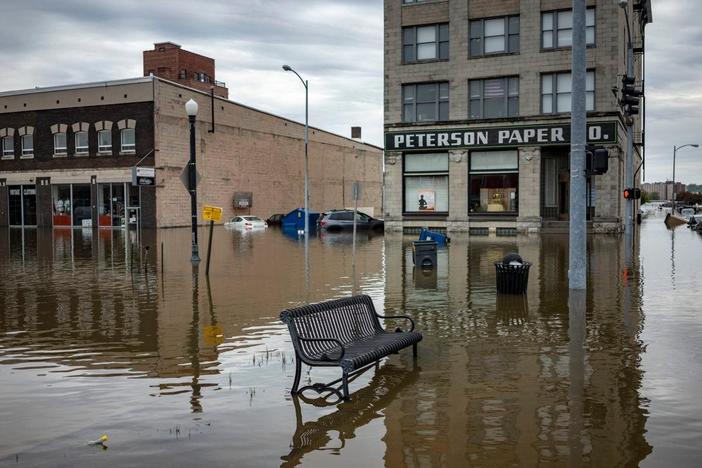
[[98, 336]]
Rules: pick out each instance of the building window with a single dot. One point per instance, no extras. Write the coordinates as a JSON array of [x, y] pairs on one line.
[[60, 146], [8, 146], [81, 142], [425, 43], [494, 178], [128, 143], [27, 144], [495, 97], [556, 92], [426, 182], [183, 74], [557, 28], [425, 102], [408, 2], [105, 141], [494, 36]]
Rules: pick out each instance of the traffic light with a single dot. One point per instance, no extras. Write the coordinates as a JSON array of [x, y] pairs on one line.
[[597, 160], [630, 96], [632, 193]]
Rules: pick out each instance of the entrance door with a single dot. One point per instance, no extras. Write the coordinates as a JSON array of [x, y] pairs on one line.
[[15, 205], [563, 194], [29, 205]]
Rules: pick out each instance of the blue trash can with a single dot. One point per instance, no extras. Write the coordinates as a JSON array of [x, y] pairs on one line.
[[440, 239]]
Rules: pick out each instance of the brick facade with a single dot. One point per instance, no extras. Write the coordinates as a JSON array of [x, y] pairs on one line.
[[605, 58]]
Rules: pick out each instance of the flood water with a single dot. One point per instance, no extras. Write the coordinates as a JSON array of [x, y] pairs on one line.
[[98, 336]]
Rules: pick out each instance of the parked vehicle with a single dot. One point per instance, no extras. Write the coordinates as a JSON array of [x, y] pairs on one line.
[[338, 220], [246, 222], [275, 219]]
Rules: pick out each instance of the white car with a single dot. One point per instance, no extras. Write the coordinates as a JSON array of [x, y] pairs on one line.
[[247, 222]]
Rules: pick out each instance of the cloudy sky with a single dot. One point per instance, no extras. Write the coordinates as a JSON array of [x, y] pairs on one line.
[[336, 44]]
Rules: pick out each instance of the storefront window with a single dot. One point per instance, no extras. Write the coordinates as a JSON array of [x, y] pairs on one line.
[[82, 215], [61, 200], [111, 207], [426, 183], [494, 179]]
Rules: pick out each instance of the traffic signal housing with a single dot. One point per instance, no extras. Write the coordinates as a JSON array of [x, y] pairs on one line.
[[631, 96], [633, 193], [597, 160]]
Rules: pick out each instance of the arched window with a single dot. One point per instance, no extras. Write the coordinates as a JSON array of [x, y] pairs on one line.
[[127, 136], [7, 143]]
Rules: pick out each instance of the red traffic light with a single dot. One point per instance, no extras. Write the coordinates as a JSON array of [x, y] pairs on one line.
[[632, 193]]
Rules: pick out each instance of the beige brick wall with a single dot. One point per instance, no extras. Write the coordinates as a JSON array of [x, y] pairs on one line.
[[252, 151]]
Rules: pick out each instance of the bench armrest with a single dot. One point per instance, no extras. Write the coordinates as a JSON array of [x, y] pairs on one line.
[[397, 317], [341, 345]]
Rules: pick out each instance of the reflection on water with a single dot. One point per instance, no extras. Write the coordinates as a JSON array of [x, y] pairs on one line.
[[100, 335]]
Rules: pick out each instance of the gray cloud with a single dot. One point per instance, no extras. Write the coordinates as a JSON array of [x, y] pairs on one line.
[[335, 44]]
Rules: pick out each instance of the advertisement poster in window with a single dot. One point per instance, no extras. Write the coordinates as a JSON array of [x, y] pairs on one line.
[[426, 200]]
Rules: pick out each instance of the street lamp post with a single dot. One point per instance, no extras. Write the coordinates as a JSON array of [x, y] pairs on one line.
[[307, 196], [191, 110], [675, 149]]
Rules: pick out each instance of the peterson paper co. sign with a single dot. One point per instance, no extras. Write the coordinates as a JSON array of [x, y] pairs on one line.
[[143, 175], [536, 135]]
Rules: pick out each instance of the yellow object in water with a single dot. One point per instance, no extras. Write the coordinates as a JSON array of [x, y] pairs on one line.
[[103, 438]]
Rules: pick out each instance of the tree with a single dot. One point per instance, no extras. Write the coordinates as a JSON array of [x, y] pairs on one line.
[[645, 197], [690, 198], [655, 196]]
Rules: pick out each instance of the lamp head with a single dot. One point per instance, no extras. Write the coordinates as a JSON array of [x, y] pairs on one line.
[[695, 145], [623, 3], [191, 108], [287, 68]]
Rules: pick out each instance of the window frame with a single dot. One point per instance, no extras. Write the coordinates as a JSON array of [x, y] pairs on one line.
[[25, 151], [506, 34], [415, 44], [101, 148], [492, 172], [554, 30], [58, 149], [415, 103], [130, 148], [78, 150], [424, 173], [5, 153], [507, 96], [554, 91]]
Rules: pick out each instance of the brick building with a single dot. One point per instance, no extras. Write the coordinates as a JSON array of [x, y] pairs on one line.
[[477, 102], [68, 153]]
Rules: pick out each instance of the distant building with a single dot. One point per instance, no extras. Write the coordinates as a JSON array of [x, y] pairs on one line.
[[665, 189], [477, 112], [67, 154], [168, 61]]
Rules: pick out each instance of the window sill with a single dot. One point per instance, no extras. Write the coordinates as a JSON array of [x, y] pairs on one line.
[[423, 214], [27, 156], [81, 155], [498, 54], [559, 49], [104, 153], [60, 155], [7, 158], [420, 62], [494, 215], [127, 153]]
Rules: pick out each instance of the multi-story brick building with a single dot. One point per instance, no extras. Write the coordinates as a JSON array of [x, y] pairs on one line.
[[477, 111], [68, 153]]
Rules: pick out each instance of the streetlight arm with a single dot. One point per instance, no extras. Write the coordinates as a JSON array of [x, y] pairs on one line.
[[304, 83]]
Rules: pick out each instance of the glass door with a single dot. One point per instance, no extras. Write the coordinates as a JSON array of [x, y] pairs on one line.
[[29, 205]]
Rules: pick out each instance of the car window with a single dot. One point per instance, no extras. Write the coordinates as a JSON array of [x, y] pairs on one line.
[[237, 219], [251, 218], [364, 218], [345, 216]]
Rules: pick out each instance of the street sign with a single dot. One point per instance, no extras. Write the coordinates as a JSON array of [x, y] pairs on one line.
[[356, 191], [184, 178], [211, 213], [142, 176]]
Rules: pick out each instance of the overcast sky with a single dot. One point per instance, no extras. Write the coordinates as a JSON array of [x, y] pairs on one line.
[[336, 44]]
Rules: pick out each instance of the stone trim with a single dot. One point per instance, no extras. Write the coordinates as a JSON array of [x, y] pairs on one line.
[[8, 131], [80, 127], [126, 123], [103, 125], [26, 130], [58, 128]]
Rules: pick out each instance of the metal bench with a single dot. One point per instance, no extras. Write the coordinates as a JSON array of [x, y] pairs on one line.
[[345, 333]]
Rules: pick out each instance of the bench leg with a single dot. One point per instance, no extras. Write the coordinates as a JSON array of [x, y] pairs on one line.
[[414, 350], [298, 371], [345, 385]]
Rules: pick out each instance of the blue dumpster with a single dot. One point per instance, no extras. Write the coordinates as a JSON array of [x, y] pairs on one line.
[[296, 220], [440, 239]]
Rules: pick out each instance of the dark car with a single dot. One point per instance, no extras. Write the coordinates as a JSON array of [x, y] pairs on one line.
[[275, 220], [339, 220]]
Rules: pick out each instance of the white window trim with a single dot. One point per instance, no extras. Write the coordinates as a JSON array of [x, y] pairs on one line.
[[104, 149], [60, 152], [124, 150], [27, 153], [81, 152], [2, 148]]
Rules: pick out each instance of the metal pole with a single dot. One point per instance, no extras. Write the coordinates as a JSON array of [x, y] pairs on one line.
[[209, 250], [577, 271], [307, 189], [673, 189], [629, 226], [195, 257]]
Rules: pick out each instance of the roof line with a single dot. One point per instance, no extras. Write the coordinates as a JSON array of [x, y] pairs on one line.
[[94, 84]]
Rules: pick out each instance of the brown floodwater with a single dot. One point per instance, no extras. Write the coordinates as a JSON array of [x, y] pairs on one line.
[[99, 336]]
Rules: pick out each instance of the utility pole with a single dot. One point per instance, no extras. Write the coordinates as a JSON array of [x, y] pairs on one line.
[[577, 254]]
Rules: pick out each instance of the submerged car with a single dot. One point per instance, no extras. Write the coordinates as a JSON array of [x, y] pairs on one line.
[[339, 220], [246, 222], [275, 219]]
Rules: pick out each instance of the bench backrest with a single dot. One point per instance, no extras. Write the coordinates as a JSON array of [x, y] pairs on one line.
[[346, 320]]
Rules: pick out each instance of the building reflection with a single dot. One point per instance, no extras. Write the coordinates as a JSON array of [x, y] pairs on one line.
[[518, 381]]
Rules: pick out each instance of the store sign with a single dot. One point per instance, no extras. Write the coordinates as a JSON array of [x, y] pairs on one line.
[[243, 200], [536, 135], [143, 176], [211, 213]]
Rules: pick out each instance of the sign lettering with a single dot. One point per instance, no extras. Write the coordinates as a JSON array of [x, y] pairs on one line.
[[597, 133], [211, 213]]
